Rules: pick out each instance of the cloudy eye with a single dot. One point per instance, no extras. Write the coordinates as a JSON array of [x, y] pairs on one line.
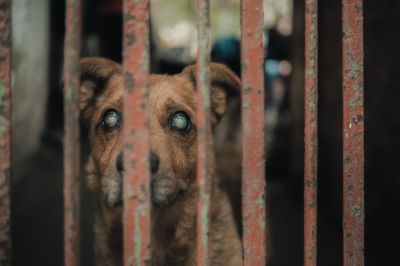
[[111, 120], [180, 122]]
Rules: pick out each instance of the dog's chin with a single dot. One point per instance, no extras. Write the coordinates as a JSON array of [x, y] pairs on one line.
[[164, 191], [111, 186], [114, 204], [161, 202]]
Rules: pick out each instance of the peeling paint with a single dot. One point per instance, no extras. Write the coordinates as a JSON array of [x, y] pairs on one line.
[[311, 133], [129, 81], [138, 238], [136, 187], [72, 48], [261, 200], [353, 134], [203, 178], [246, 90], [130, 38], [253, 172], [261, 223]]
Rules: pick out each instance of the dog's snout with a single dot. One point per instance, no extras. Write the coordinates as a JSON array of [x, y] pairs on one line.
[[120, 163], [154, 163]]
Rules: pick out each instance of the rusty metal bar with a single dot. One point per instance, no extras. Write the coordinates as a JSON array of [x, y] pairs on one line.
[[137, 206], [353, 133], [5, 131], [72, 50], [203, 131], [311, 133], [253, 185]]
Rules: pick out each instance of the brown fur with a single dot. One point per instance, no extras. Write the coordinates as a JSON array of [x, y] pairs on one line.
[[173, 184]]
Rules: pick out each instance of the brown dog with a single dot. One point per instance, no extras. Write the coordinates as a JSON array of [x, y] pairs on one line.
[[172, 103]]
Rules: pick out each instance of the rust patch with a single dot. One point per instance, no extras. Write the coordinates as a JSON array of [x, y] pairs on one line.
[[353, 133], [311, 133], [72, 48], [253, 175], [203, 177], [137, 206]]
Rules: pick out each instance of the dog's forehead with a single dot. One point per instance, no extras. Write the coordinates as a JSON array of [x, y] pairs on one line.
[[173, 91], [115, 89], [177, 86], [168, 85], [176, 92]]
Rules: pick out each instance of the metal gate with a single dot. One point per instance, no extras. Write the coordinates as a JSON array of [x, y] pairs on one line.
[[136, 215]]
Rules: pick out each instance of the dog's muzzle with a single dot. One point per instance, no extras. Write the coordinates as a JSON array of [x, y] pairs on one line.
[[163, 188]]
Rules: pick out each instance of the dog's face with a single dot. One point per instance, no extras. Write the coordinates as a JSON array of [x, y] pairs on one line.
[[172, 127]]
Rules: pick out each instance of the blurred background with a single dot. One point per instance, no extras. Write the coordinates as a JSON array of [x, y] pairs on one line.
[[38, 32]]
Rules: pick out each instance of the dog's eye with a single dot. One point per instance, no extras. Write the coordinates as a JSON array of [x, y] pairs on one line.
[[111, 120], [180, 122]]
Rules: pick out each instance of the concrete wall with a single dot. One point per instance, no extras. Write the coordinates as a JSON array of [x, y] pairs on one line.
[[30, 37]]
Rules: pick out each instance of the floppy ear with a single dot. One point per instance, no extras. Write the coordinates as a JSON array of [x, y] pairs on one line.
[[225, 85], [94, 75]]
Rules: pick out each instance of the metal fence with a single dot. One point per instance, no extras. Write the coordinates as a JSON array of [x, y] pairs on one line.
[[136, 215]]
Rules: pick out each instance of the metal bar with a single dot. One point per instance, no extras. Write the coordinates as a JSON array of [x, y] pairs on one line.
[[253, 185], [203, 131], [353, 133], [72, 50], [137, 208], [311, 133], [5, 131]]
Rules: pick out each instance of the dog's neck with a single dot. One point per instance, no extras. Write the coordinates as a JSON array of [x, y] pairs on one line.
[[173, 229]]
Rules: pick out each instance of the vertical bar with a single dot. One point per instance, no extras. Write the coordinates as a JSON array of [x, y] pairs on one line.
[[353, 133], [72, 50], [136, 213], [5, 131], [203, 131], [253, 185], [311, 133]]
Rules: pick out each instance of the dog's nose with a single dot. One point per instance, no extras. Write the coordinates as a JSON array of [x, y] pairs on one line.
[[154, 163], [120, 163]]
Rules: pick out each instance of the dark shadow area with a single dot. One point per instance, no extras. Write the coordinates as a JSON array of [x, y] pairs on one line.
[[37, 198]]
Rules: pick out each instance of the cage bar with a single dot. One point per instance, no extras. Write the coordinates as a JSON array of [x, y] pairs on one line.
[[203, 126], [72, 48], [137, 208], [311, 133], [5, 131], [253, 180], [353, 133]]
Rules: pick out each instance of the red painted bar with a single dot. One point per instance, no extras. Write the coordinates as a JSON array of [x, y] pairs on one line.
[[5, 131], [203, 131], [253, 184], [353, 133], [72, 50], [311, 133], [137, 208]]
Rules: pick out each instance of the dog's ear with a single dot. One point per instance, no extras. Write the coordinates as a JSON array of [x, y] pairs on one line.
[[94, 75], [225, 85]]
